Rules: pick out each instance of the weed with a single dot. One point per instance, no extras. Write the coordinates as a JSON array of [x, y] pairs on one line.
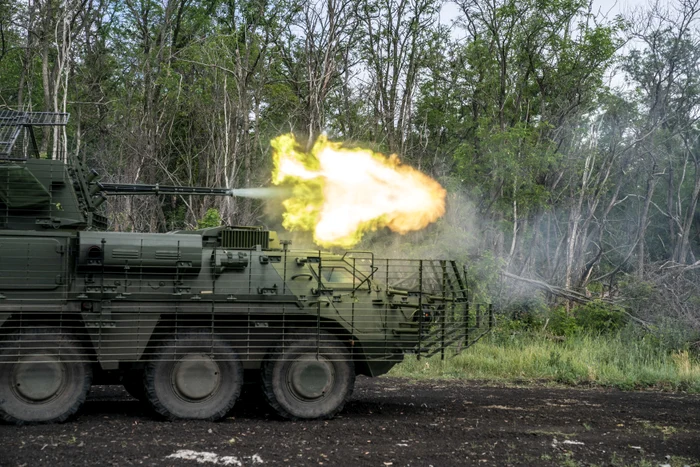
[[666, 430], [623, 360]]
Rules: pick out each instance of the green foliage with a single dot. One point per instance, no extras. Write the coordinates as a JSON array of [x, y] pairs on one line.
[[175, 217], [212, 218], [563, 323], [522, 88], [532, 314], [484, 278], [600, 317], [525, 314], [563, 368], [668, 304], [636, 291], [671, 335], [612, 359]]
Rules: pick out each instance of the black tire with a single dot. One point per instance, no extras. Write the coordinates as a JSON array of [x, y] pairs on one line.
[[303, 380], [45, 376], [194, 375]]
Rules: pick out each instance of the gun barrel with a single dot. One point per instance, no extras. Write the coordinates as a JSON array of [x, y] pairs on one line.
[[157, 189]]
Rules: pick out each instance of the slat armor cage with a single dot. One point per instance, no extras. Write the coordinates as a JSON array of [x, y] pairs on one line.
[[181, 319], [123, 294]]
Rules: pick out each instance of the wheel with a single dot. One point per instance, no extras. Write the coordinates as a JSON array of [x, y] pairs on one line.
[[194, 375], [45, 376], [133, 384], [303, 380]]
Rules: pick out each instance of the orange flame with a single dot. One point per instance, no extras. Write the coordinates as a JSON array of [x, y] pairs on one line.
[[340, 193]]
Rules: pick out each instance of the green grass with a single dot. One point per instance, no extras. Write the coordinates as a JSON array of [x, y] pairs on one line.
[[608, 360]]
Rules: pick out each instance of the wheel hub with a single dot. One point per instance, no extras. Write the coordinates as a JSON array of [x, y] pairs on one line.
[[196, 377], [310, 378], [38, 378]]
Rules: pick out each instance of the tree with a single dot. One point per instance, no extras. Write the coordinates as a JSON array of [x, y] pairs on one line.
[[313, 56], [665, 70], [397, 36], [533, 70]]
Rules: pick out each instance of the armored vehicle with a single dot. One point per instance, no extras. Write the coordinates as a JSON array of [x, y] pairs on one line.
[[182, 319]]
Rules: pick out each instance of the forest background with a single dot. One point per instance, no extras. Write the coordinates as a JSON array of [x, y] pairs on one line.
[[574, 202]]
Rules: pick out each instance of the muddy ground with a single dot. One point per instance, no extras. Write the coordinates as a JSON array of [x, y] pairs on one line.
[[389, 422]]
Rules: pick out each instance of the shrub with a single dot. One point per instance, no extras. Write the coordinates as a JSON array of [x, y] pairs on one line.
[[525, 314], [600, 317], [212, 218], [562, 323]]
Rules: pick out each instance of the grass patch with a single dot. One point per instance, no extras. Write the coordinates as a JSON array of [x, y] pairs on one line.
[[666, 430], [611, 360]]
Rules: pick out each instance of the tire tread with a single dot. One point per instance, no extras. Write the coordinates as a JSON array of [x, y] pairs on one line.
[[57, 335], [192, 338], [268, 368]]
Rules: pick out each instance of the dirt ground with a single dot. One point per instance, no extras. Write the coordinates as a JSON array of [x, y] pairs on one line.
[[389, 422]]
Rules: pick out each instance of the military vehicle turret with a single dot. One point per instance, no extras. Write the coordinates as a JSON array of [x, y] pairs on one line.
[[182, 318]]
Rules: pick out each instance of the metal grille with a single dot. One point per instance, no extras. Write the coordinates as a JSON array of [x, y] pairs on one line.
[[10, 126], [13, 117], [245, 239], [12, 122], [253, 298], [136, 304]]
